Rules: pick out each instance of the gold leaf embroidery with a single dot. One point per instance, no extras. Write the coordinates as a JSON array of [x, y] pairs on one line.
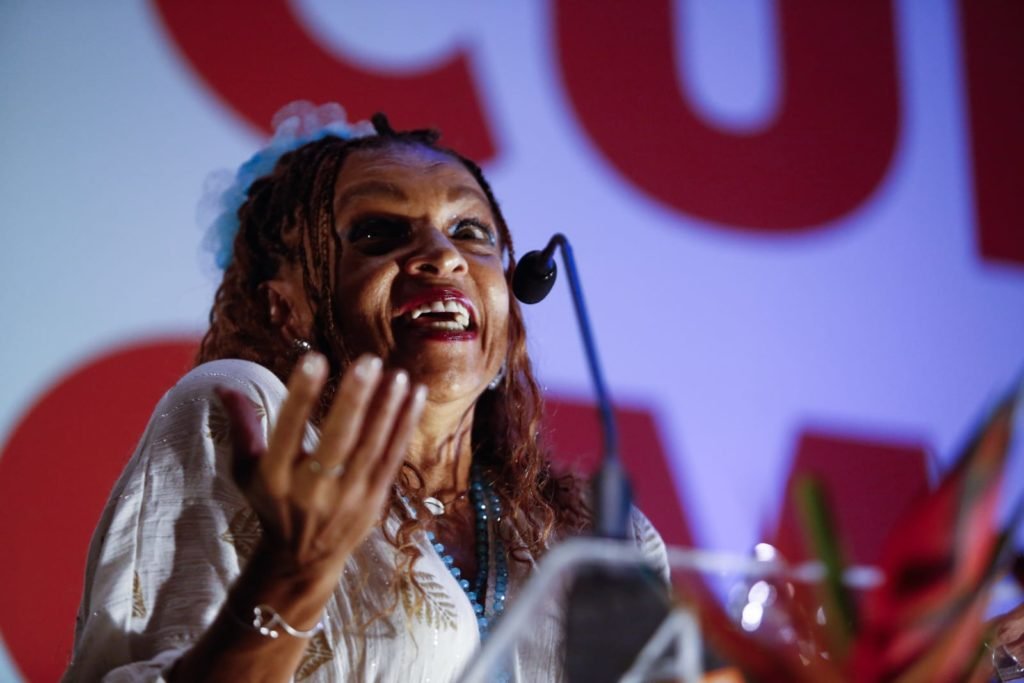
[[138, 603], [318, 653], [243, 532], [218, 428], [432, 606]]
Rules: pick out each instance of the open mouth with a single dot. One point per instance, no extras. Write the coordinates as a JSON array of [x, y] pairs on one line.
[[439, 312], [441, 315]]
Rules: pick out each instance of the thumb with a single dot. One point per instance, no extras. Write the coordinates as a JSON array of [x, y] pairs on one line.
[[247, 440]]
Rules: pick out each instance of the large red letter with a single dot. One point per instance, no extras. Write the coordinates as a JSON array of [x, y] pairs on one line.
[[993, 33], [825, 152], [258, 58], [575, 438], [869, 483], [56, 470]]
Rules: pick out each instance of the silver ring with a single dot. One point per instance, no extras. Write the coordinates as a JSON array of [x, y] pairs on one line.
[[316, 467]]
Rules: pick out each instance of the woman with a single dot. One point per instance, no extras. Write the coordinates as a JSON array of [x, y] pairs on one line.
[[382, 540]]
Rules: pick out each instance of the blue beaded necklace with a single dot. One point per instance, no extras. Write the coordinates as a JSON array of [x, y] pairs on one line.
[[486, 509]]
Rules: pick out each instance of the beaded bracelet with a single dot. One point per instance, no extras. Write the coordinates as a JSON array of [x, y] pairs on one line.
[[265, 618]]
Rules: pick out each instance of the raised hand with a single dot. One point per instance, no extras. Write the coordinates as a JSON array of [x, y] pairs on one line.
[[315, 508]]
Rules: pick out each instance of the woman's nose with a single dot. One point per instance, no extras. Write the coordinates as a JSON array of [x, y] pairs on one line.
[[435, 254]]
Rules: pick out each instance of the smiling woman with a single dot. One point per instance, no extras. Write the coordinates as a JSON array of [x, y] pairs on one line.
[[371, 519]]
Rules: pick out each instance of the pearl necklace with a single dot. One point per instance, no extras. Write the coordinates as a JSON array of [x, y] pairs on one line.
[[486, 507]]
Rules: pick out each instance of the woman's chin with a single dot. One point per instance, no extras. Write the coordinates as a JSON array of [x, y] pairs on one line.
[[446, 383]]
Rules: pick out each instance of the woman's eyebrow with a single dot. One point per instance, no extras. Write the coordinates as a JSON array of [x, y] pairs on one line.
[[460, 191], [369, 188]]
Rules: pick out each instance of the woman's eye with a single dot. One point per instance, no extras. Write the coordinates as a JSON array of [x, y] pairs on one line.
[[471, 229], [377, 234]]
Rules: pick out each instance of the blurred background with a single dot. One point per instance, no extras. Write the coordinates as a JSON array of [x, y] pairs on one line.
[[798, 224]]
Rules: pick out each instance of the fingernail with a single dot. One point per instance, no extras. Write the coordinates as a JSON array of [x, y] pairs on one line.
[[368, 366], [420, 393], [401, 378], [313, 364]]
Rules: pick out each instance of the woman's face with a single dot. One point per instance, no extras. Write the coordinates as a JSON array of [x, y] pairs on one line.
[[420, 280]]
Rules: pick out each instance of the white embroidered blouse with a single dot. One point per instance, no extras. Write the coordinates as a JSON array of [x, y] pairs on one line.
[[176, 531]]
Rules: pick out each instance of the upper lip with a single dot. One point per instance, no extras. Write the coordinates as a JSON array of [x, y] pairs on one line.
[[433, 294]]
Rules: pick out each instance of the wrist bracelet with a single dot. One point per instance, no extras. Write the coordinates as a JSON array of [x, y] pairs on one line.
[[265, 618]]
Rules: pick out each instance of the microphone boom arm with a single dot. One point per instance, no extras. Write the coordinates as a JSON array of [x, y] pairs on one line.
[[612, 494]]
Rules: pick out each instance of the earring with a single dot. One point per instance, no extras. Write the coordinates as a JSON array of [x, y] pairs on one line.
[[301, 346], [496, 382]]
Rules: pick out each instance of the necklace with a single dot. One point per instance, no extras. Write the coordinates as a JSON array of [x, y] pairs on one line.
[[487, 513], [436, 506]]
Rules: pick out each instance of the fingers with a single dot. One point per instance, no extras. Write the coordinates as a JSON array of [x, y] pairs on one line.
[[370, 490], [408, 419], [345, 419], [246, 434], [365, 436], [304, 388], [247, 442], [379, 424]]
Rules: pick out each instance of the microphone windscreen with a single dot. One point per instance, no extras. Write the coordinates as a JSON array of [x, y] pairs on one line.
[[534, 277]]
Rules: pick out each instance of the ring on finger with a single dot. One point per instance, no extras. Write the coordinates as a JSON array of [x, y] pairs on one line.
[[317, 467]]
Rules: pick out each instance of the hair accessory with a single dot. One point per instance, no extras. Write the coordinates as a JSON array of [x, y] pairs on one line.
[[265, 618], [294, 125]]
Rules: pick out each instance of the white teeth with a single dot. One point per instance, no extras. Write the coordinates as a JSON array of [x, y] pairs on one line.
[[460, 312]]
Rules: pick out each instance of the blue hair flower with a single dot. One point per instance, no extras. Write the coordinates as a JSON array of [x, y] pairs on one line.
[[295, 125]]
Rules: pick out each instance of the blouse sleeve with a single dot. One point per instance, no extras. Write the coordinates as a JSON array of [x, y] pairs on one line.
[[173, 534]]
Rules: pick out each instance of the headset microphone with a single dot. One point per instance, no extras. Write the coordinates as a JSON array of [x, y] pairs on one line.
[[535, 274]]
